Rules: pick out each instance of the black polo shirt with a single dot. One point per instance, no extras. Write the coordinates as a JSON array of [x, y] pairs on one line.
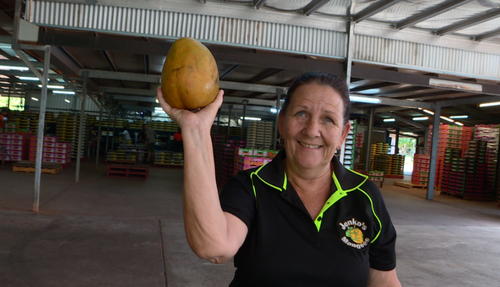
[[286, 247]]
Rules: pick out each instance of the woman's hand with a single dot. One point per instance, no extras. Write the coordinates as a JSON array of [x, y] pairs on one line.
[[186, 118]]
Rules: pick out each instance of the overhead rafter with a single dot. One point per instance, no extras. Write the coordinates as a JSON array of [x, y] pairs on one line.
[[477, 113], [431, 12], [313, 6], [228, 71], [258, 3], [488, 15], [373, 9], [264, 75], [372, 86], [486, 36], [407, 121]]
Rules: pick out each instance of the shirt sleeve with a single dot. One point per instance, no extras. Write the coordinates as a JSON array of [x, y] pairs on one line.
[[238, 198], [382, 251]]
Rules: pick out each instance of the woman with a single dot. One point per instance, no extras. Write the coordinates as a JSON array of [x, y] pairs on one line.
[[301, 220]]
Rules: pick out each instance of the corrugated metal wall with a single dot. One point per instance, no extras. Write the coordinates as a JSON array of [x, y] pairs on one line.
[[146, 22], [263, 34], [57, 103], [394, 52]]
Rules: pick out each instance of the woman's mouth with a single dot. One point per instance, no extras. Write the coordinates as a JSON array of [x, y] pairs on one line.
[[309, 145]]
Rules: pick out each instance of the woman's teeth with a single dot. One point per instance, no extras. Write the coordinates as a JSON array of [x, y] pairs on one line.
[[309, 145]]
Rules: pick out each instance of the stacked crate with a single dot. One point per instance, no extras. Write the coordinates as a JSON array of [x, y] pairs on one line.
[[396, 166], [450, 162], [15, 147], [420, 174], [379, 159], [246, 158], [350, 146], [260, 134], [491, 135], [53, 151], [476, 169], [467, 136], [450, 136], [224, 149], [169, 158]]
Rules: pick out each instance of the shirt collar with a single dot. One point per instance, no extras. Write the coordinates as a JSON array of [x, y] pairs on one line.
[[273, 174]]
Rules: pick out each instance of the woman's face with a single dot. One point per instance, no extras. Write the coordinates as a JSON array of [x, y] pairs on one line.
[[313, 126]]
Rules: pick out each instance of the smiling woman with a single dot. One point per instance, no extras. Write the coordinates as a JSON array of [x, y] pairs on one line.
[[300, 220]]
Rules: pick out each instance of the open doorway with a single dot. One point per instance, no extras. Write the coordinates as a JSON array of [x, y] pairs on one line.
[[407, 147]]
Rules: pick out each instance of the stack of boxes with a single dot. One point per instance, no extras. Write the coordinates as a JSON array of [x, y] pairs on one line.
[[491, 135], [396, 166], [467, 136], [260, 134], [169, 158], [246, 158], [224, 150], [476, 169], [378, 162], [420, 174], [350, 146], [14, 147], [450, 136], [53, 151]]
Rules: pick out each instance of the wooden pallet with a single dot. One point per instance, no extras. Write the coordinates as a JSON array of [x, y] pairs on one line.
[[29, 166], [130, 162], [409, 185], [124, 171]]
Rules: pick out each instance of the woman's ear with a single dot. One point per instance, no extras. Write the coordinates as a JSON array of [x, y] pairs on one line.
[[345, 131], [281, 122]]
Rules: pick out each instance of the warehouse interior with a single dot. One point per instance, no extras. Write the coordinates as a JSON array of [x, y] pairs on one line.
[[428, 71]]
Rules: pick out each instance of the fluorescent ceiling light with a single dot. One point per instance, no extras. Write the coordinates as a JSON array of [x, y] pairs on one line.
[[34, 99], [420, 118], [273, 110], [369, 100], [67, 101], [447, 119], [29, 78], [459, 117], [459, 123], [489, 104], [157, 101], [63, 92], [3, 67], [410, 134], [455, 85], [429, 112], [389, 120], [52, 87], [251, 118]]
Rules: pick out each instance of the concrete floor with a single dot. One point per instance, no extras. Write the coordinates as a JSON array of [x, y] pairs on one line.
[[129, 232]]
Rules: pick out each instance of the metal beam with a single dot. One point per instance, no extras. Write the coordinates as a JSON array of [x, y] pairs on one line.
[[81, 134], [313, 6], [373, 9], [476, 112], [487, 35], [470, 101], [128, 91], [431, 12], [488, 15], [412, 79], [369, 137], [434, 152], [258, 3], [407, 121], [370, 87], [228, 71], [121, 76], [349, 56]]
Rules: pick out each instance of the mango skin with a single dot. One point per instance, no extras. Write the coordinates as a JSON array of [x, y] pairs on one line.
[[190, 78]]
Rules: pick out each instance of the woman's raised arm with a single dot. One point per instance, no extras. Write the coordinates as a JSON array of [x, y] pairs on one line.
[[211, 233]]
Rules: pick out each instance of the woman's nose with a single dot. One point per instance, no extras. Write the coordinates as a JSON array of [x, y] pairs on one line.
[[312, 128]]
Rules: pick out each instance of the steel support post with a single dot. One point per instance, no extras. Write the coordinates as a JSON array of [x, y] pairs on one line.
[[434, 151], [79, 151], [242, 133], [99, 131], [107, 134], [41, 128], [8, 98], [426, 140], [369, 138], [396, 148], [279, 92], [114, 134], [229, 119], [350, 50]]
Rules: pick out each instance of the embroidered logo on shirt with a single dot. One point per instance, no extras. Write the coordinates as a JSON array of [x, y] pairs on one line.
[[354, 236]]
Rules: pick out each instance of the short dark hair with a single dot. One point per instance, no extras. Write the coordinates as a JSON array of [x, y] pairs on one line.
[[322, 78]]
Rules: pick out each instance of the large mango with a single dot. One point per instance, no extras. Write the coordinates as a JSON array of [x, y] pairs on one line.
[[190, 78]]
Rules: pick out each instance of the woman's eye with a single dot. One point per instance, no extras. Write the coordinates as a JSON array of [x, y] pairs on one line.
[[300, 114]]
